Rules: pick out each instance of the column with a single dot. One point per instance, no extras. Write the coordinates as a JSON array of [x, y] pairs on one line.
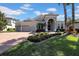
[[46, 27], [55, 26], [21, 27]]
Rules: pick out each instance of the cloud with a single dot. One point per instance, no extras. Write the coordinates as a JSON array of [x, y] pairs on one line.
[[77, 9], [26, 7], [52, 9], [60, 17], [44, 13], [40, 13], [10, 16], [76, 16], [77, 12], [37, 12], [9, 11]]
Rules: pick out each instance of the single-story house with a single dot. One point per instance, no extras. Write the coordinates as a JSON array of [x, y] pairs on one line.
[[49, 22]]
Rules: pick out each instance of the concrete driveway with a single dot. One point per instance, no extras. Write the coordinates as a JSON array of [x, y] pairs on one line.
[[10, 39]]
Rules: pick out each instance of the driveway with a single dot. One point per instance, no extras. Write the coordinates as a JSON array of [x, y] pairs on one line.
[[10, 39]]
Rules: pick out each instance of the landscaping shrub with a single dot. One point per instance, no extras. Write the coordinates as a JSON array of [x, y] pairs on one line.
[[40, 30], [41, 36], [62, 30], [38, 37], [42, 33], [34, 39], [11, 29], [77, 30]]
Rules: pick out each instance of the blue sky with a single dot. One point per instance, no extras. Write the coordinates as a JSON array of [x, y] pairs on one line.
[[23, 11]]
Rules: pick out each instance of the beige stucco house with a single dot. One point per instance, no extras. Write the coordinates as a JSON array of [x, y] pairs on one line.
[[49, 20]]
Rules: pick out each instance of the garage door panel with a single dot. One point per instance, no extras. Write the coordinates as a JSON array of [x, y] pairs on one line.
[[26, 29]]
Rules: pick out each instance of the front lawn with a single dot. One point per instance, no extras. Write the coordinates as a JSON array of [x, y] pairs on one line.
[[55, 46]]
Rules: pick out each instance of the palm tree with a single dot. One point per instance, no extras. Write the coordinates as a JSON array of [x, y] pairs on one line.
[[73, 15], [65, 14]]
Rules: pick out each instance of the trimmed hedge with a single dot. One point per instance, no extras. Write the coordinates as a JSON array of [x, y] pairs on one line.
[[11, 29], [41, 36]]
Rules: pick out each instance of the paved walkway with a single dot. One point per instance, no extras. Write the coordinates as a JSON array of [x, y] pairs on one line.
[[10, 39]]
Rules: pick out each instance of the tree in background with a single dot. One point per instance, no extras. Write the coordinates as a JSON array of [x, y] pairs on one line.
[[3, 22], [65, 14], [71, 22]]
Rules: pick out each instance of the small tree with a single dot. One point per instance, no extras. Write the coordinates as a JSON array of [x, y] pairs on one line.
[[40, 27], [62, 29], [3, 22]]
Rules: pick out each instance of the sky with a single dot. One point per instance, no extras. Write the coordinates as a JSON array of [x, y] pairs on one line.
[[24, 11]]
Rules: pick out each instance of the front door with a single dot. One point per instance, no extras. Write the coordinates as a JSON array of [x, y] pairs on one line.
[[50, 24]]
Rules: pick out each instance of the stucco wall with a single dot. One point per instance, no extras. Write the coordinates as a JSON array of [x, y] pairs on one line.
[[76, 25]]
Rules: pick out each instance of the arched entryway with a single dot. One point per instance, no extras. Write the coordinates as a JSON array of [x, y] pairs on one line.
[[50, 25]]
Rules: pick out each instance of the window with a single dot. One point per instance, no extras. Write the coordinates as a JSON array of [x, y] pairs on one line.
[[9, 22], [40, 26]]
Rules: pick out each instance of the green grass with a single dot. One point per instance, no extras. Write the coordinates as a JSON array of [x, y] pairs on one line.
[[72, 38], [55, 46]]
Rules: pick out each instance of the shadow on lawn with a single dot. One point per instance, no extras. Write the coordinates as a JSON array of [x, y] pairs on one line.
[[66, 47]]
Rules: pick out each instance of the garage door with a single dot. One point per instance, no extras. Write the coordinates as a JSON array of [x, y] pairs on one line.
[[18, 28], [26, 28]]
